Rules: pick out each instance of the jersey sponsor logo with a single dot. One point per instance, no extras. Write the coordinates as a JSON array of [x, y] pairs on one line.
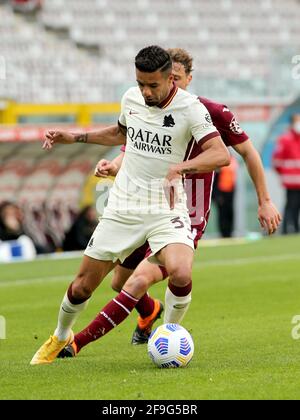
[[91, 243], [148, 141], [131, 112], [235, 126], [168, 121], [225, 109]]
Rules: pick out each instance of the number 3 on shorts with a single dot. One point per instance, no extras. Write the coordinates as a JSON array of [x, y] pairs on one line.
[[177, 221]]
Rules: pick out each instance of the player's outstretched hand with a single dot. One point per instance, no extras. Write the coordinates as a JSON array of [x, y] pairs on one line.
[[269, 217], [105, 168], [62, 137]]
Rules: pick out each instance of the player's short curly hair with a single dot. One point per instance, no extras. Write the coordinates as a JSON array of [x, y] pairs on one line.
[[179, 55], [153, 58]]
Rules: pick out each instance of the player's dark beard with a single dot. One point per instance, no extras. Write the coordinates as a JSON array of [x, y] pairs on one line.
[[151, 103]]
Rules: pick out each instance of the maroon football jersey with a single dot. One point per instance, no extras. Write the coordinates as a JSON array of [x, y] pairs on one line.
[[199, 186]]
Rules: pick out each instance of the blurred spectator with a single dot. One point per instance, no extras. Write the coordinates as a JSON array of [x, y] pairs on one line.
[[81, 231], [11, 222], [38, 229], [14, 225], [223, 196], [286, 161], [25, 6]]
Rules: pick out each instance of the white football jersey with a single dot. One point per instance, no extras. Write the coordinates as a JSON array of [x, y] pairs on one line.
[[157, 137]]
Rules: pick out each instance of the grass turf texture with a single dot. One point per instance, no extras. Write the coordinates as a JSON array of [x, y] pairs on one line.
[[244, 299]]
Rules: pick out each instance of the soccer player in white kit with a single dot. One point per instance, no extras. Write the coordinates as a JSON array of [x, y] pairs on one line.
[[160, 121]]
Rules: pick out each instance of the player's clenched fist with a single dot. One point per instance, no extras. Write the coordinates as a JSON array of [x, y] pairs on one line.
[[105, 168], [62, 137]]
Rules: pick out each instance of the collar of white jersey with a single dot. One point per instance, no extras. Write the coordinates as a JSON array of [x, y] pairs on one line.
[[166, 102]]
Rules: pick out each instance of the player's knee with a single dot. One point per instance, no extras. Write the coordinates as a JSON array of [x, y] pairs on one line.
[[180, 276], [144, 281], [81, 288], [139, 282]]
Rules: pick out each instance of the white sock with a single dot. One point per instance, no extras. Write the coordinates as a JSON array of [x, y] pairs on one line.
[[176, 307], [67, 317]]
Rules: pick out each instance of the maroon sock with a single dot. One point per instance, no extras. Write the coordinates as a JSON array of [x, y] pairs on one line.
[[111, 315], [180, 291], [145, 306]]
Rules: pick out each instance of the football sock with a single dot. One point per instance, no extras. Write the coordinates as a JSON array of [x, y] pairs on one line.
[[177, 302], [110, 316], [68, 314], [145, 306]]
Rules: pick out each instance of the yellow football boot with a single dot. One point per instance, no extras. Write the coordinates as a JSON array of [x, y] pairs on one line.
[[50, 349]]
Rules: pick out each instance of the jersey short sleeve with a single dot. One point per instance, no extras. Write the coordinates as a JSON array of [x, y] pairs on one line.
[[230, 129], [201, 125], [225, 121], [122, 117]]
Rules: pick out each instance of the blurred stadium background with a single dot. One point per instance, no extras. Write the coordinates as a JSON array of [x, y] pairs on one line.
[[66, 63]]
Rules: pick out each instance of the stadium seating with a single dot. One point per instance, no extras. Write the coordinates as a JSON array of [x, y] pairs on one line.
[[12, 174], [239, 39], [47, 187], [75, 51]]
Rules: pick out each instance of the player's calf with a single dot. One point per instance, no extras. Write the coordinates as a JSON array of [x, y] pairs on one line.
[[120, 276]]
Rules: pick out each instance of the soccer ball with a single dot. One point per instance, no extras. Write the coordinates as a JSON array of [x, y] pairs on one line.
[[170, 345]]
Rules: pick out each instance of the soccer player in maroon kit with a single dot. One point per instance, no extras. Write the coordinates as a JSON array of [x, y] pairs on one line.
[[136, 271]]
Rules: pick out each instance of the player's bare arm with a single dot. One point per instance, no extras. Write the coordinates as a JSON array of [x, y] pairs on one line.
[[215, 155], [105, 168], [108, 136], [268, 215]]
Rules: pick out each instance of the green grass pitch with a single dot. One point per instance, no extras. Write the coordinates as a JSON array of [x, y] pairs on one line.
[[244, 300]]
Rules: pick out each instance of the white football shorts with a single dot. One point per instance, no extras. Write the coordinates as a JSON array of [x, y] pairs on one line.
[[115, 239]]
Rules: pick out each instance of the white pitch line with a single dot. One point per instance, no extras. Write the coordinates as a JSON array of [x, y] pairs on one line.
[[70, 255], [245, 261], [40, 280], [198, 264]]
